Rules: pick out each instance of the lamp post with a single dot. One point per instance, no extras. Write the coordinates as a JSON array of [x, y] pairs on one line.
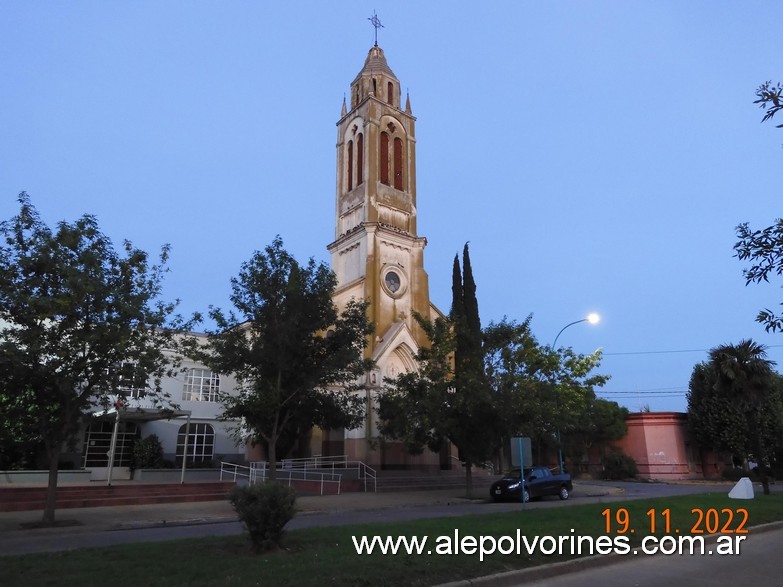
[[592, 319]]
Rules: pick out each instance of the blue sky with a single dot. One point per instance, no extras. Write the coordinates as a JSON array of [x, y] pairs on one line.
[[597, 155]]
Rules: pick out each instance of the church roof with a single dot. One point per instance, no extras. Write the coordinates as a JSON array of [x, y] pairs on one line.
[[375, 63]]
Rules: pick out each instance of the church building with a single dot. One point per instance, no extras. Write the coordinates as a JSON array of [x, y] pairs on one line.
[[377, 253]]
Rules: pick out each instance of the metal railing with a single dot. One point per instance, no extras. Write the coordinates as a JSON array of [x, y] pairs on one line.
[[305, 469], [292, 475], [341, 462], [233, 470], [368, 473]]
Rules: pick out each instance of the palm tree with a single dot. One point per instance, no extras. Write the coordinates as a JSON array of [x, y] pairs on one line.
[[743, 368], [744, 373]]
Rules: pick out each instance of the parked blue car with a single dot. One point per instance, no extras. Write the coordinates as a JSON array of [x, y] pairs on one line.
[[539, 481]]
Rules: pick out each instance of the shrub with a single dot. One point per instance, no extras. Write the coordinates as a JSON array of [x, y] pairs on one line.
[[736, 473], [264, 508], [618, 465], [147, 453]]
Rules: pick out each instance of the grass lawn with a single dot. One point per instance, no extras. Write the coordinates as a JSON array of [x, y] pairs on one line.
[[326, 556]]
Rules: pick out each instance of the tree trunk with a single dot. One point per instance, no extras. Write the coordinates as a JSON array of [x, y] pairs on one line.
[[272, 476], [468, 480], [51, 490], [765, 483]]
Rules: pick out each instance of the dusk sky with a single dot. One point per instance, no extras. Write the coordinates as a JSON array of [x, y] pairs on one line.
[[596, 155]]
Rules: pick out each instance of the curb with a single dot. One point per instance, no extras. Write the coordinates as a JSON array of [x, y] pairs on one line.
[[170, 523]]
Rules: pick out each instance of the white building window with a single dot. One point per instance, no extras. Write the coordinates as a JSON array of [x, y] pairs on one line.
[[201, 443], [201, 385], [129, 380]]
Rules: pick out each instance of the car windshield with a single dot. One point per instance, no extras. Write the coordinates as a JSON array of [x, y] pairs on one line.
[[515, 472]]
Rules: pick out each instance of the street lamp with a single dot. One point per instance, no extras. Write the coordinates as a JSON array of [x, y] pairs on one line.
[[592, 319]]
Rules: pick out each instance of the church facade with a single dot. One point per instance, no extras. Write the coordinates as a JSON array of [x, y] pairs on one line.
[[377, 253]]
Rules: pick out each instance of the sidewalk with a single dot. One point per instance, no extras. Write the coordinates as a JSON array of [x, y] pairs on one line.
[[75, 520]]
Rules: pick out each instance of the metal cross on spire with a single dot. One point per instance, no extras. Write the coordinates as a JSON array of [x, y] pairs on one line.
[[376, 22]]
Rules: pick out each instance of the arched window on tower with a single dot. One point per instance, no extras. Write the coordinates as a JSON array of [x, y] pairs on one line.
[[384, 158], [350, 165], [374, 87], [398, 159], [390, 93], [359, 159]]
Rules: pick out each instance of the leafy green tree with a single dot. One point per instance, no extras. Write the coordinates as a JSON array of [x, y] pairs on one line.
[[19, 440], [575, 384], [521, 373], [518, 371], [763, 248], [601, 423], [735, 403], [413, 407], [72, 309], [296, 359]]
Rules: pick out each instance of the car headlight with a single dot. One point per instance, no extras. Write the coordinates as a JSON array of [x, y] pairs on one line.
[[514, 485]]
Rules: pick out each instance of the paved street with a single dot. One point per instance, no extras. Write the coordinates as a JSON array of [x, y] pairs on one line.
[[106, 526], [97, 527], [754, 566]]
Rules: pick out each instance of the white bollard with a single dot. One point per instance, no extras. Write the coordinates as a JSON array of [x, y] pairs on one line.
[[742, 490]]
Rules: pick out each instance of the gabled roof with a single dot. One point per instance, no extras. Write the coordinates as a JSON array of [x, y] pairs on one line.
[[397, 339]]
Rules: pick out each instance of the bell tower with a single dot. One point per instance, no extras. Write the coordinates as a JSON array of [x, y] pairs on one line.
[[377, 253]]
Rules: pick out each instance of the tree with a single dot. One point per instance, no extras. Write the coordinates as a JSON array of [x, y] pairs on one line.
[[575, 383], [764, 247], [413, 408], [517, 370], [602, 422], [770, 97], [735, 403], [471, 414], [440, 404], [19, 442], [296, 359], [72, 312], [521, 374]]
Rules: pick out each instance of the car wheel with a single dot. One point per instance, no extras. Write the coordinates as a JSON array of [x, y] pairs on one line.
[[563, 493], [525, 496]]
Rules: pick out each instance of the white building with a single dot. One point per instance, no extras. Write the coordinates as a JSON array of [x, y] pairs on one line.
[[195, 389]]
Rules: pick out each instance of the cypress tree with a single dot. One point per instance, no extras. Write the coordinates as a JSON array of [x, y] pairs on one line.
[[472, 415], [470, 305], [456, 290], [457, 315]]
